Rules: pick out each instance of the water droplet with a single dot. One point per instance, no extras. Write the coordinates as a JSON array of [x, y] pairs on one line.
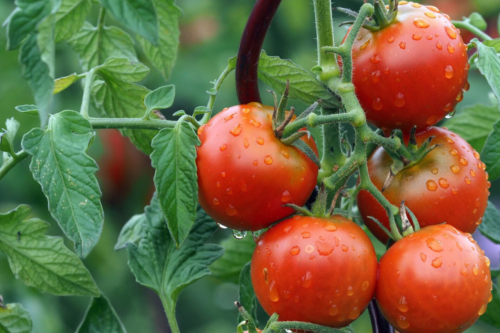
[[439, 46], [260, 141], [216, 201], [200, 130], [365, 45], [443, 183], [467, 86], [448, 72], [403, 304], [402, 45], [487, 261], [421, 23], [350, 291], [463, 271], [268, 159], [223, 174], [416, 5], [286, 197], [255, 123], [438, 262], [354, 313], [309, 248], [375, 59], [429, 37], [390, 39], [377, 104], [431, 185], [236, 130], [451, 48], [336, 239], [344, 248], [459, 246], [482, 310], [476, 154], [454, 168], [453, 152], [245, 110], [223, 147], [284, 152], [273, 292], [450, 140], [434, 244], [255, 162], [330, 227], [475, 270], [221, 226], [295, 250], [333, 310], [217, 184], [402, 322], [430, 14], [416, 37], [423, 256], [467, 180], [376, 76], [463, 161], [434, 9], [435, 171], [231, 211], [307, 280], [306, 234], [490, 298], [324, 248], [451, 33], [431, 120], [226, 119], [229, 191], [447, 16], [400, 100]]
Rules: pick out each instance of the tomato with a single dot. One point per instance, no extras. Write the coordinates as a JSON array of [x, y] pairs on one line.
[[412, 72], [449, 185], [316, 270], [245, 174], [434, 280]]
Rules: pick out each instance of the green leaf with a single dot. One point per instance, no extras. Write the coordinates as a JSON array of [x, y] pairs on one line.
[[474, 124], [101, 318], [137, 15], [15, 319], [118, 99], [29, 109], [494, 43], [164, 55], [124, 70], [8, 135], [491, 153], [490, 227], [159, 265], [491, 315], [161, 98], [131, 231], [303, 85], [94, 45], [237, 252], [246, 294], [64, 82], [67, 176], [176, 180], [70, 17], [488, 64], [42, 261]]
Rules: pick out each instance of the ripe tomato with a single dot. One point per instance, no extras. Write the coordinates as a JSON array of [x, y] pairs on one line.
[[411, 72], [245, 174], [434, 280], [449, 185], [316, 270]]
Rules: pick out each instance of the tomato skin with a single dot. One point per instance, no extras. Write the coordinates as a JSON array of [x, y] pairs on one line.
[[431, 189], [316, 270], [405, 75], [245, 174], [434, 280]]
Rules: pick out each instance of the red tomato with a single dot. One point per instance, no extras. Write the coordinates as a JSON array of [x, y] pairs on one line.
[[245, 174], [434, 280], [316, 270], [449, 185], [411, 72]]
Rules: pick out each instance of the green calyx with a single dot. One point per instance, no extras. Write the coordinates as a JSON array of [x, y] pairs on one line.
[[382, 17]]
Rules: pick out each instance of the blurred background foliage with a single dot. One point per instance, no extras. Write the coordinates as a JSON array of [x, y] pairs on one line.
[[210, 33]]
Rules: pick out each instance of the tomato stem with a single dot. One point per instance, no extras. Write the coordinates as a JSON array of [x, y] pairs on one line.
[[279, 326], [215, 90], [12, 162], [84, 110], [131, 123], [250, 323], [465, 24], [170, 312]]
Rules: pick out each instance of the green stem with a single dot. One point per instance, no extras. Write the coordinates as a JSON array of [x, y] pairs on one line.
[[12, 162], [131, 123], [211, 101], [86, 93], [279, 326], [170, 312], [313, 120], [100, 20], [324, 34], [465, 24]]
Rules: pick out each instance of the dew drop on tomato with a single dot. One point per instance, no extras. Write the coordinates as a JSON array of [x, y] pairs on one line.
[[333, 310], [268, 159], [434, 9], [430, 14], [403, 323], [455, 169], [365, 285], [216, 201], [402, 45], [463, 161], [286, 197], [434, 244], [354, 313], [403, 305], [344, 248], [416, 37], [295, 250], [423, 257], [307, 280], [451, 48], [231, 211], [260, 141], [439, 46], [377, 104], [475, 270], [448, 72], [350, 291], [431, 185], [443, 182], [482, 310], [421, 23], [451, 32], [306, 234], [330, 227], [273, 292], [255, 123], [438, 262], [400, 100]]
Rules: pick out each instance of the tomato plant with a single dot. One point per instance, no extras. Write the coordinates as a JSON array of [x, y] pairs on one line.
[[449, 185], [412, 72], [245, 174], [318, 270], [434, 280]]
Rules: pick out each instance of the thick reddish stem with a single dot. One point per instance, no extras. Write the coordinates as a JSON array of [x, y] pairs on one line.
[[247, 85]]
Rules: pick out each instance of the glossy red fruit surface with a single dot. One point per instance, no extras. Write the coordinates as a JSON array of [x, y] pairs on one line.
[[435, 280], [449, 185], [245, 174], [412, 72], [316, 270]]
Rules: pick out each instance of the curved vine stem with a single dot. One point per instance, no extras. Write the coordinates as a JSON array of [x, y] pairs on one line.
[[279, 326], [12, 162], [465, 24]]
